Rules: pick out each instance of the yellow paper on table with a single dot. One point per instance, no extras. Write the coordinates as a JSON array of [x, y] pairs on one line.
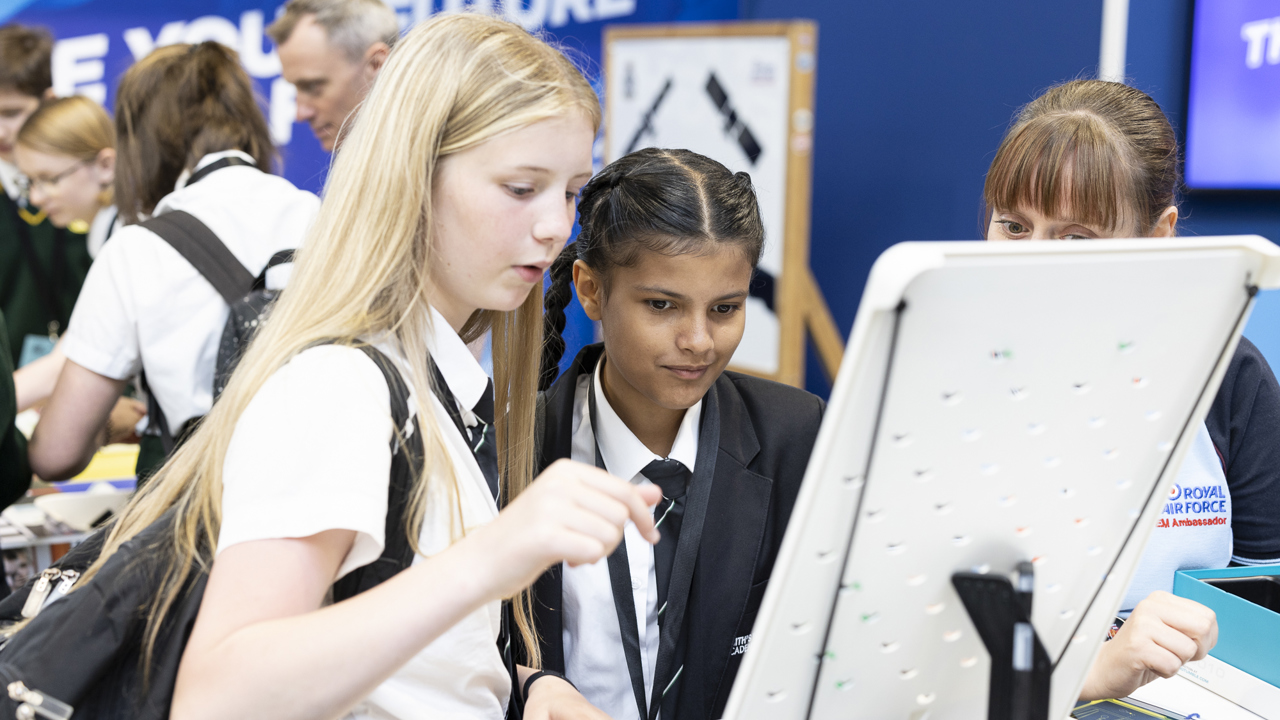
[[112, 462]]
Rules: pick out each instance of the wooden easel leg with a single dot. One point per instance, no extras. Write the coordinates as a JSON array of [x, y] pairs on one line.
[[822, 327]]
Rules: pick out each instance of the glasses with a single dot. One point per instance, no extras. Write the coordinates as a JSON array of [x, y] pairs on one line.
[[49, 183]]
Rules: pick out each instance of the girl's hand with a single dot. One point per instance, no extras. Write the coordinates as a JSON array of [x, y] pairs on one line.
[[1163, 632], [572, 512], [123, 421], [551, 698]]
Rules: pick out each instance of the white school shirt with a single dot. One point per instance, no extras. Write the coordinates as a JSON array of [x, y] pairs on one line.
[[312, 453], [104, 225], [1194, 529], [593, 657], [144, 306]]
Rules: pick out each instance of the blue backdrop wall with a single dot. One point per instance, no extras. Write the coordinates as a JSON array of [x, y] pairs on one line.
[[1158, 55]]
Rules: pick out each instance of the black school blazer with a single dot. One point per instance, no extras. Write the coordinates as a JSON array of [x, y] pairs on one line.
[[767, 431]]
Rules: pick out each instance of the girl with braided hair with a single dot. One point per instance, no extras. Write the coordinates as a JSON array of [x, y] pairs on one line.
[[664, 261]]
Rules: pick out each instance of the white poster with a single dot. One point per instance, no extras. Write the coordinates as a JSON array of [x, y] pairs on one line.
[[726, 98]]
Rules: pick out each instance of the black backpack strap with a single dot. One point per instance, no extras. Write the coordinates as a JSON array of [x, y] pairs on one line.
[[284, 257], [206, 253], [406, 464], [199, 246]]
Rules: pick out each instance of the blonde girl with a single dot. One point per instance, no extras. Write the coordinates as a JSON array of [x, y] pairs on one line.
[[66, 151], [452, 194]]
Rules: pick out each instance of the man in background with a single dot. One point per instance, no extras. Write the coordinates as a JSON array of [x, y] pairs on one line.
[[331, 50]]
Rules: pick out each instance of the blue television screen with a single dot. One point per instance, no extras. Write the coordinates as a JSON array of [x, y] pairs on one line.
[[1233, 108]]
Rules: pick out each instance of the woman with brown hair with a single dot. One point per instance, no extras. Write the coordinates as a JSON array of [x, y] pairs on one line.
[[191, 138], [1094, 159]]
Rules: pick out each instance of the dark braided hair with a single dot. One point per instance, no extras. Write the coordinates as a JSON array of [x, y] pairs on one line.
[[671, 202]]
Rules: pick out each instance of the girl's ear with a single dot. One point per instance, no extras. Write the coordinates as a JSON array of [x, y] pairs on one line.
[[590, 290], [105, 166], [1167, 225]]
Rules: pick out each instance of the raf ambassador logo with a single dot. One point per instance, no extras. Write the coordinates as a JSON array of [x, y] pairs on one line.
[[1204, 500]]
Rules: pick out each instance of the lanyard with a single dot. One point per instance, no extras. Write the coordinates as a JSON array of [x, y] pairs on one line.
[[47, 286], [695, 512], [214, 166]]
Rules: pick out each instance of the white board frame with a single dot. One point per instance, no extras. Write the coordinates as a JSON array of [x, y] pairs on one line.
[[815, 584]]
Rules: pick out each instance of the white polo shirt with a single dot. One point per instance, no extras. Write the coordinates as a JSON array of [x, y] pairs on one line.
[[312, 453], [144, 306], [593, 657], [1194, 530]]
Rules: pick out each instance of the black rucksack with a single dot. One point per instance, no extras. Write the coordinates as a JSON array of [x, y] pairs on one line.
[[247, 315], [246, 295], [84, 649]]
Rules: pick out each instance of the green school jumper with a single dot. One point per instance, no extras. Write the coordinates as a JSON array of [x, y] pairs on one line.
[[15, 472], [41, 271]]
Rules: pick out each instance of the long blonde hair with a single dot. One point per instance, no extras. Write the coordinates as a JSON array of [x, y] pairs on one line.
[[453, 82], [74, 126]]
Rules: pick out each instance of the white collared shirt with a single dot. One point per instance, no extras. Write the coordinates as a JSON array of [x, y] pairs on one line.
[[104, 225], [144, 306], [311, 452], [593, 655]]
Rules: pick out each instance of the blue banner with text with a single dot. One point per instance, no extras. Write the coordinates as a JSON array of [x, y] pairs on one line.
[[97, 40]]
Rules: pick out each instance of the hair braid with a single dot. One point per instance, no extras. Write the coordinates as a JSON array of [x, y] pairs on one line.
[[553, 319], [670, 202]]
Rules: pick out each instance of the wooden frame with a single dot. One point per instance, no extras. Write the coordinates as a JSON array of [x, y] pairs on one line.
[[798, 301]]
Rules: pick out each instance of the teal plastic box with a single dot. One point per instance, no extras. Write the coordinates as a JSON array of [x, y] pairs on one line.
[[1248, 634]]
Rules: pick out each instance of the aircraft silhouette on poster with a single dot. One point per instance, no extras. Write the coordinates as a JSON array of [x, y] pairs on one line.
[[762, 282], [734, 127]]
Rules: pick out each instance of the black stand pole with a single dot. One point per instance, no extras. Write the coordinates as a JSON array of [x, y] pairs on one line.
[[1020, 668]]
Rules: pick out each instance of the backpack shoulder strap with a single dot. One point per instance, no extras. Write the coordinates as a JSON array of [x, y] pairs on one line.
[[283, 257], [206, 253], [406, 464]]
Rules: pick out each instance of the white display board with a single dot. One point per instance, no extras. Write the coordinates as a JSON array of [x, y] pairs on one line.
[[998, 402], [741, 93]]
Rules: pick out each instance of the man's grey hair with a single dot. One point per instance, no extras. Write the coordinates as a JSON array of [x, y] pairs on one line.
[[352, 25]]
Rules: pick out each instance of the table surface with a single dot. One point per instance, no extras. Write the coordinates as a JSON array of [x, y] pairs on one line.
[[1182, 696]]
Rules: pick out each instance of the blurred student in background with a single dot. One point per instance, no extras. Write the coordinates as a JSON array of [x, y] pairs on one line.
[[41, 267], [66, 152], [331, 50], [190, 138], [15, 472]]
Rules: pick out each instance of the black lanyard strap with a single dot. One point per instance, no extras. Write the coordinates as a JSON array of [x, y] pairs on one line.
[[480, 439], [697, 498], [214, 166]]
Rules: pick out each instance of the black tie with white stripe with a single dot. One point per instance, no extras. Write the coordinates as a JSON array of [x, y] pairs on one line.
[[673, 477]]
